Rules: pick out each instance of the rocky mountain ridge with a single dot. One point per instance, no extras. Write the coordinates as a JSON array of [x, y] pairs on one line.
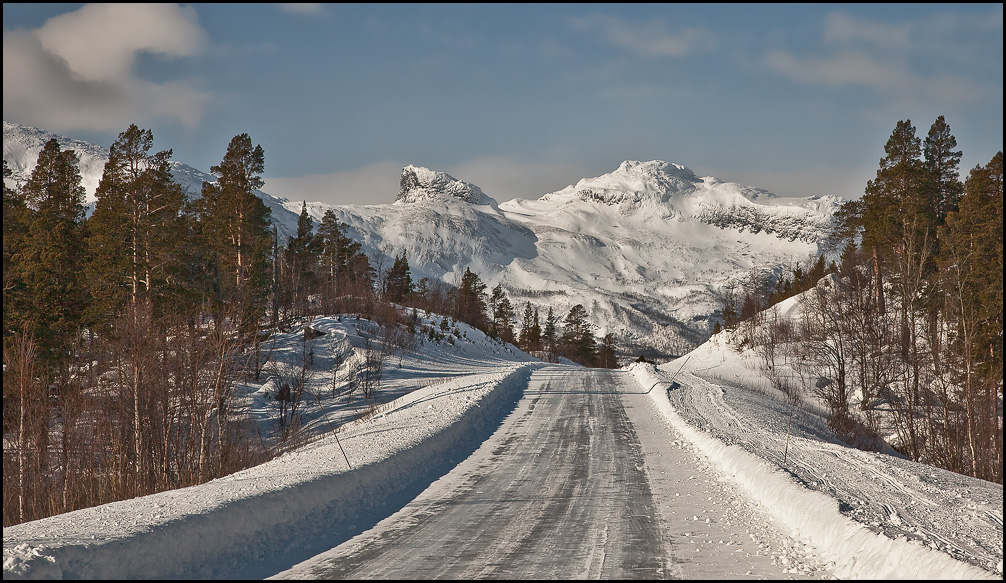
[[649, 249]]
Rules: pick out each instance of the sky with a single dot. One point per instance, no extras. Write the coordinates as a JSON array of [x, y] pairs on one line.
[[518, 99]]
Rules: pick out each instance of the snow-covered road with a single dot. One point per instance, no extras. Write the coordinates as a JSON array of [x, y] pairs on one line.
[[582, 480], [558, 491]]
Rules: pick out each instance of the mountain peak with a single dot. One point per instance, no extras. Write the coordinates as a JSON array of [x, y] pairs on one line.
[[420, 183], [633, 182]]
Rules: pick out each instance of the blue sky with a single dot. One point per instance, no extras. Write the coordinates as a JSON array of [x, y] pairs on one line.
[[519, 99]]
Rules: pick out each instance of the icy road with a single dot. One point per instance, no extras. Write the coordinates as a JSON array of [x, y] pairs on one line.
[[582, 480]]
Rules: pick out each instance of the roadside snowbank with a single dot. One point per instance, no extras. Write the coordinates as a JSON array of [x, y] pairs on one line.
[[238, 526], [809, 516]]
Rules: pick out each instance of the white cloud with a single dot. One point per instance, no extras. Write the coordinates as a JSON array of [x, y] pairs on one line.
[[375, 183], [303, 9], [843, 29], [77, 70], [912, 62], [651, 39], [100, 42], [847, 68]]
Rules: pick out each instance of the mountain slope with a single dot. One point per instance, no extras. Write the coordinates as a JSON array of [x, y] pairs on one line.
[[648, 249]]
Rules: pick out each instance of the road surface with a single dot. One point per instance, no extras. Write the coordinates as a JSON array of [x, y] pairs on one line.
[[582, 480]]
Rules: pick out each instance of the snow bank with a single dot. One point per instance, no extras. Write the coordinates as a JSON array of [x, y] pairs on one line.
[[809, 516], [238, 526]]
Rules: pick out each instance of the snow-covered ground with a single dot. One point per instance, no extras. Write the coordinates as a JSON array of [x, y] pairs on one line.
[[865, 515]]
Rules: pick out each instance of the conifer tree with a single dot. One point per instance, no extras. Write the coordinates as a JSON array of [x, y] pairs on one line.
[[398, 283], [471, 303], [51, 252], [137, 230], [897, 205], [135, 251], [578, 343], [503, 320], [345, 266], [301, 259], [971, 260], [943, 161], [16, 218], [500, 314], [236, 224], [534, 338], [530, 330], [606, 352], [550, 336], [899, 191]]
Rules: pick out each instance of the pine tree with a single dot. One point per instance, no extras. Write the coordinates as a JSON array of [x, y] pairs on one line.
[[848, 223], [550, 336], [50, 253], [897, 205], [16, 219], [398, 282], [971, 260], [471, 303], [898, 193], [534, 338], [137, 231], [137, 260], [578, 343], [236, 224], [504, 320], [818, 270], [526, 328], [497, 320], [606, 352], [347, 269], [942, 162], [301, 259]]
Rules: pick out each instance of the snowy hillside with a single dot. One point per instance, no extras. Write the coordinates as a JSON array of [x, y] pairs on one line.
[[875, 515], [647, 249], [859, 514], [21, 145]]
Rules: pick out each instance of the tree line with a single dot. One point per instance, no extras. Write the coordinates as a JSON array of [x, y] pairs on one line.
[[126, 332], [909, 320]]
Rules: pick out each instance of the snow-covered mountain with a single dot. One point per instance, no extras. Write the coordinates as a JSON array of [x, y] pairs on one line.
[[21, 145], [648, 249]]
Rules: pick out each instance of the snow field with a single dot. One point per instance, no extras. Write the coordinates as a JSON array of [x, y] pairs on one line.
[[809, 516], [238, 526]]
